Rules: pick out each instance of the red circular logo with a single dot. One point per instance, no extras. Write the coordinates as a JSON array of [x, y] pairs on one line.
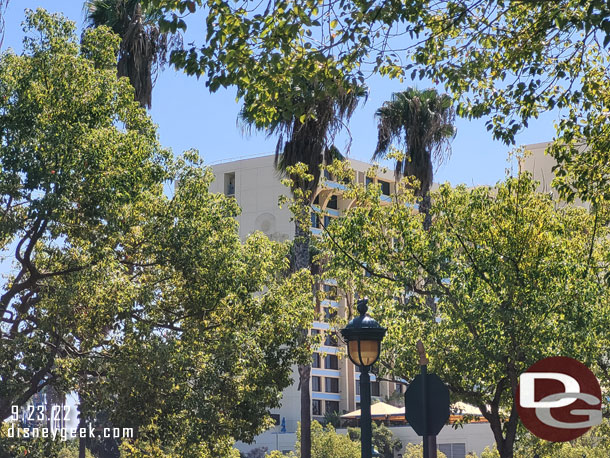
[[559, 399]]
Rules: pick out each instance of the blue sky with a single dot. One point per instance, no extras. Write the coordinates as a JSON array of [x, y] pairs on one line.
[[189, 116]]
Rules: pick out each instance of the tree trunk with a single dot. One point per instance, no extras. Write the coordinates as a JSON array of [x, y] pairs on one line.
[[504, 436], [81, 440], [424, 209], [301, 260], [304, 376]]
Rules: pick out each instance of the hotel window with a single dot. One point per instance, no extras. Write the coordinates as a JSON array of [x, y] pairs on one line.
[[315, 220], [330, 313], [333, 203], [229, 183], [331, 406], [330, 292], [331, 362], [331, 341], [332, 384], [316, 407], [315, 384], [316, 360], [398, 387], [374, 388], [456, 450], [385, 187], [368, 180]]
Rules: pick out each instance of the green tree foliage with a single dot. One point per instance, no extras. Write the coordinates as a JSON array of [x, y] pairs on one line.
[[594, 444], [147, 303], [72, 452], [75, 154], [35, 448], [278, 454], [488, 453], [416, 451], [327, 443], [505, 61], [515, 277], [384, 440]]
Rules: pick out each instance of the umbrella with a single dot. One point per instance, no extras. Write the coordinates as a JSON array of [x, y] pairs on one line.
[[379, 411]]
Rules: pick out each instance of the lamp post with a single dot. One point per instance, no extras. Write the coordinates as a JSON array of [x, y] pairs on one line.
[[363, 336]]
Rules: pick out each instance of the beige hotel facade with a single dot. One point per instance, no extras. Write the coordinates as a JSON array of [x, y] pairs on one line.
[[257, 187]]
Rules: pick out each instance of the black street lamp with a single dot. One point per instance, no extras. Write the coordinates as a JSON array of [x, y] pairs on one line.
[[363, 336]]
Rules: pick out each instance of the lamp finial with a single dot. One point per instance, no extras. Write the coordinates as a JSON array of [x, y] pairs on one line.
[[362, 306]]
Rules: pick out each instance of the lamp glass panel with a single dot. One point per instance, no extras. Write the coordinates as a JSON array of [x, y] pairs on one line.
[[352, 352], [369, 351]]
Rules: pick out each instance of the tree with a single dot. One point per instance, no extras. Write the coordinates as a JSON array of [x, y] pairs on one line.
[[327, 443], [423, 122], [147, 304], [63, 122], [383, 440], [304, 145], [143, 47], [515, 277]]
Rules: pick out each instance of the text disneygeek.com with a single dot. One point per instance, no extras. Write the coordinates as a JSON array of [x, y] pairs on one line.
[[65, 434]]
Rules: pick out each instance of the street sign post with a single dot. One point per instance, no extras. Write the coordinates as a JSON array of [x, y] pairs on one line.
[[427, 405]]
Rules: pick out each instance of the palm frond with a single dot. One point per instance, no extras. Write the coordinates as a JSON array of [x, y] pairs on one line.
[[144, 50], [308, 141], [421, 122]]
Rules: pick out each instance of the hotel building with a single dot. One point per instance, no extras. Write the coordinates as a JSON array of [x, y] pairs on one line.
[[257, 187]]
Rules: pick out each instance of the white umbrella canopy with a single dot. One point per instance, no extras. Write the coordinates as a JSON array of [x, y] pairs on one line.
[[378, 410]]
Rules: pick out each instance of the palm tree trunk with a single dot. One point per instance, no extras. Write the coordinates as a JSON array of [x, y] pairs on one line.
[[301, 260], [424, 208]]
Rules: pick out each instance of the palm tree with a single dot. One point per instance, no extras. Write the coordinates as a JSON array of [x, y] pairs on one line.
[[422, 122], [307, 140], [143, 47]]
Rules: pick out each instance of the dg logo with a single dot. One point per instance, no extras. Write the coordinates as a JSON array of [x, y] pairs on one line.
[[559, 399]]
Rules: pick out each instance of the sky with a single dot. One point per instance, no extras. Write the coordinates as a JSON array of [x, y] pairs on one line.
[[188, 116]]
